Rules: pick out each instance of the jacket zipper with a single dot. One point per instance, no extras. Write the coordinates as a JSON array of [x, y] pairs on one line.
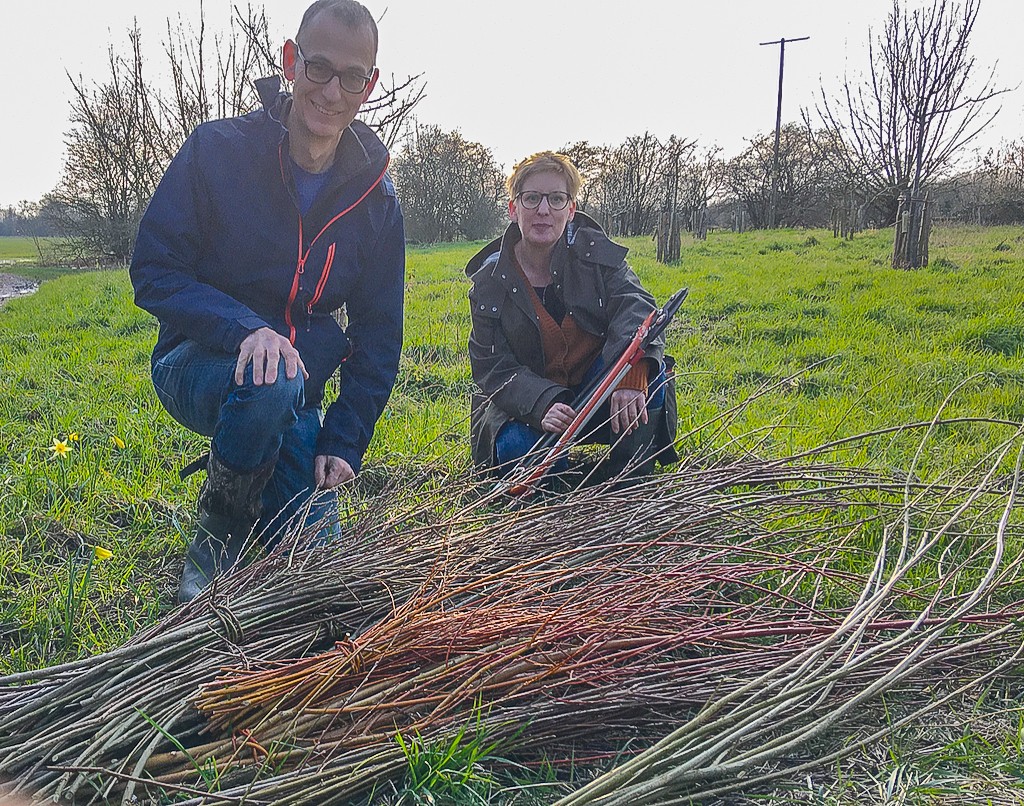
[[303, 255]]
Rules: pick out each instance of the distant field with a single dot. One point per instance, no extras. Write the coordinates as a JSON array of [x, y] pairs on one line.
[[17, 249], [19, 255]]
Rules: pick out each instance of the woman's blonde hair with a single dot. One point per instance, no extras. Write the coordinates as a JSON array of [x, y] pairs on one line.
[[544, 162]]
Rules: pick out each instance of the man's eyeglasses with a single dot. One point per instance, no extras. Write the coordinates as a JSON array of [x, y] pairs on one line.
[[321, 73], [531, 199]]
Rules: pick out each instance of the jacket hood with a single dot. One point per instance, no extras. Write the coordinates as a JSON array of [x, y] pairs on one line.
[[512, 235], [359, 143]]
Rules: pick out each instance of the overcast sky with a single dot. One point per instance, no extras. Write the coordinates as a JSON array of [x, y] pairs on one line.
[[516, 76]]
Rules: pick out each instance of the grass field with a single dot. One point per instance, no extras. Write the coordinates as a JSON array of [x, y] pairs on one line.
[[20, 250], [844, 343], [817, 338], [788, 340], [17, 248]]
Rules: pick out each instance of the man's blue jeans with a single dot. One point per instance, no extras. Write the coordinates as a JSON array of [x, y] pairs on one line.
[[516, 439], [248, 425]]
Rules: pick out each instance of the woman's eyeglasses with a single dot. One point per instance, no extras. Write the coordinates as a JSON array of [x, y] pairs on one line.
[[531, 199]]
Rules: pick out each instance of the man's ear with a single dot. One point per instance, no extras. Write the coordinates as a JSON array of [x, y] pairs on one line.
[[288, 56], [370, 85]]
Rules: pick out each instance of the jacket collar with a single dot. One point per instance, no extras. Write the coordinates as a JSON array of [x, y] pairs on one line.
[[512, 235], [272, 97], [360, 150]]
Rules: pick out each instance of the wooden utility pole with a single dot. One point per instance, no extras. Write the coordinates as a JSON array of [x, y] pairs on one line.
[[773, 212]]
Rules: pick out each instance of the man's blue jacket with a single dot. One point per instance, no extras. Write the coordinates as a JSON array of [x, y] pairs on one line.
[[223, 251]]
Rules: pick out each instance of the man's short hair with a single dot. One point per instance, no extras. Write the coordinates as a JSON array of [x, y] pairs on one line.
[[350, 12], [544, 162]]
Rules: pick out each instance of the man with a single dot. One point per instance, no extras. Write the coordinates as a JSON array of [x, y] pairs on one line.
[[261, 228]]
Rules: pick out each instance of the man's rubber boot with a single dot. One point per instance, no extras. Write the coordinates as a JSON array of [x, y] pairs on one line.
[[229, 506]]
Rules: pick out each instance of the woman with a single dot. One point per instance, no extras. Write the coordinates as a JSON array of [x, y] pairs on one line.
[[553, 303]]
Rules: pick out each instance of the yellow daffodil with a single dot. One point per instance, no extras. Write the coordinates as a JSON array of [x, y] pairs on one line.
[[60, 448], [118, 442], [101, 553], [73, 436]]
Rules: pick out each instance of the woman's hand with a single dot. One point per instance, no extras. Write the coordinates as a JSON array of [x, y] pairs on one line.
[[628, 410], [557, 418]]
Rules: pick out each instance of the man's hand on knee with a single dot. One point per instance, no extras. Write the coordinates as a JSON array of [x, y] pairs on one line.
[[330, 471], [265, 348]]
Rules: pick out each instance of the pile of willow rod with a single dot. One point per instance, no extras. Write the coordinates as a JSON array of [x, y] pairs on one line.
[[718, 616]]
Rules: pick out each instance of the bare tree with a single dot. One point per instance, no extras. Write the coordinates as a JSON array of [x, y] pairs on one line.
[[992, 192], [639, 163], [801, 177], [113, 161], [390, 109], [842, 187], [920, 105], [222, 86], [451, 189], [26, 220], [206, 86], [1005, 167], [676, 158], [643, 185], [588, 159], [625, 192], [703, 180]]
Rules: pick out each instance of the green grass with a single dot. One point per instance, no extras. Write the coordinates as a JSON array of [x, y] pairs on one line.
[[75, 358], [20, 250], [849, 344], [863, 347], [431, 397], [843, 344], [450, 770], [17, 248]]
